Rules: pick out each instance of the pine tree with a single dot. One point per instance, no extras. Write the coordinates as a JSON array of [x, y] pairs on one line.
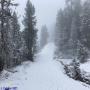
[[5, 15], [63, 30], [68, 28], [76, 25], [30, 30], [85, 25], [16, 40], [82, 53]]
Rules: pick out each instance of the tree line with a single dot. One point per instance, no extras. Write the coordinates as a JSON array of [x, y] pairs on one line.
[[16, 45], [72, 32]]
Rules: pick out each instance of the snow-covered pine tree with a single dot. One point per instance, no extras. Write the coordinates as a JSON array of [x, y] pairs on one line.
[[16, 40], [82, 55], [35, 42], [62, 32], [85, 25], [30, 30], [23, 49], [67, 28], [5, 15], [76, 9], [13, 41], [84, 33]]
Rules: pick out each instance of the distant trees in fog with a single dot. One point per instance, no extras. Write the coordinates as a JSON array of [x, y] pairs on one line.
[[44, 36], [73, 29]]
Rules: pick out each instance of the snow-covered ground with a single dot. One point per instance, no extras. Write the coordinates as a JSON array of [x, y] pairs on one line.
[[44, 74], [86, 66]]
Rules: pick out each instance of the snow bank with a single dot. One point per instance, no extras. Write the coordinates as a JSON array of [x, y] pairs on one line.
[[86, 67]]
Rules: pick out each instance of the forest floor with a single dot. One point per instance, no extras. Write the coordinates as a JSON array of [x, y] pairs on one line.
[[44, 74]]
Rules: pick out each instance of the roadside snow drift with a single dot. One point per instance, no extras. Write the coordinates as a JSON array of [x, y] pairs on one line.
[[86, 66]]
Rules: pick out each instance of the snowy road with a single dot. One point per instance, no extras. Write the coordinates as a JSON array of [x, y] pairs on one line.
[[44, 74]]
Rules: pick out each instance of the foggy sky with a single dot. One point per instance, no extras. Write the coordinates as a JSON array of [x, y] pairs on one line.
[[46, 10]]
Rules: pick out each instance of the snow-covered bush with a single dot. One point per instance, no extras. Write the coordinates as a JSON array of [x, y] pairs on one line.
[[73, 71]]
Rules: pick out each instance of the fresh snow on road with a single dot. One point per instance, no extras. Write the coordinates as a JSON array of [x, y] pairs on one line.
[[44, 74]]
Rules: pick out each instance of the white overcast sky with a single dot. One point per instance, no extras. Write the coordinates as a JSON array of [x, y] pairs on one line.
[[46, 10]]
